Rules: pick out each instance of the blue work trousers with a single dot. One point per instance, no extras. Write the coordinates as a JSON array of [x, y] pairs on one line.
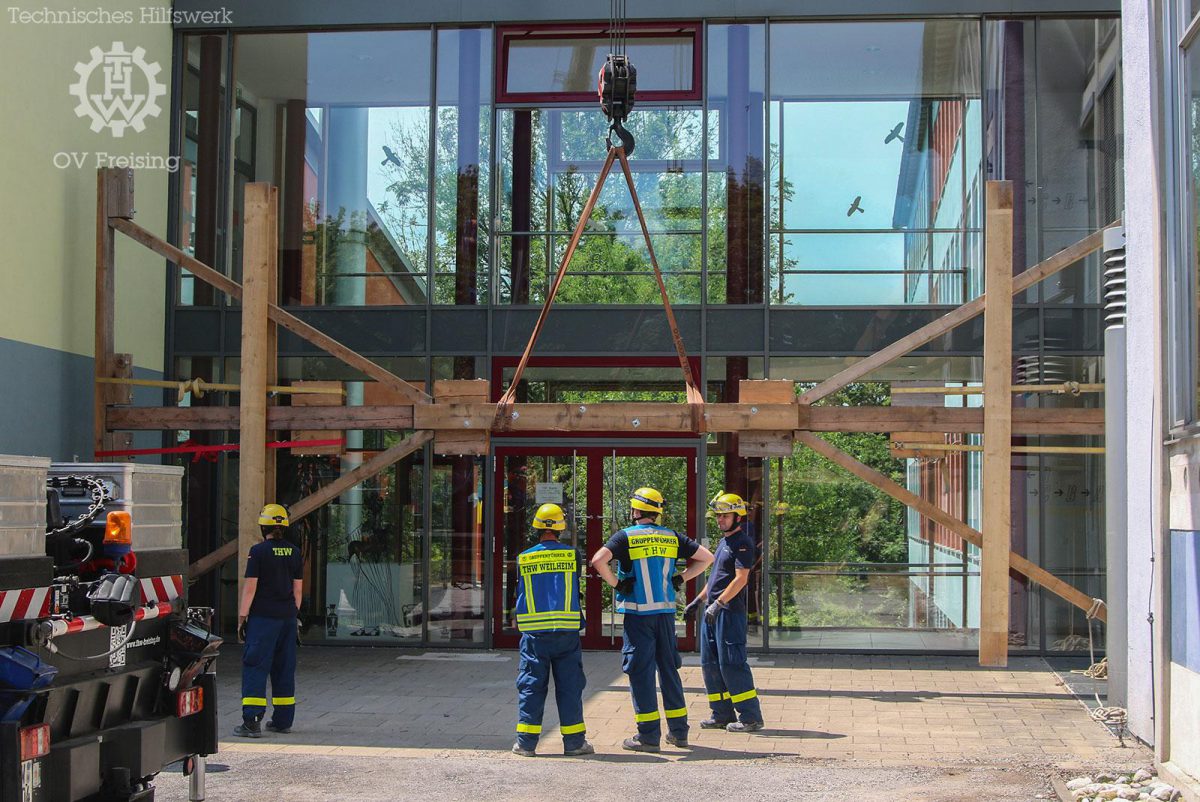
[[650, 647], [543, 654], [270, 650], [727, 676]]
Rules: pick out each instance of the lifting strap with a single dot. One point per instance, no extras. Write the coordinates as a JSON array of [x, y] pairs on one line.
[[695, 398]]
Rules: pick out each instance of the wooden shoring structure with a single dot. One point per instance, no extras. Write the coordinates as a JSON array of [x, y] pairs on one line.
[[763, 415]]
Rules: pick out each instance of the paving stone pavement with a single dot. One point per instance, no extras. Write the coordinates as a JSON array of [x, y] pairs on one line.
[[355, 700]]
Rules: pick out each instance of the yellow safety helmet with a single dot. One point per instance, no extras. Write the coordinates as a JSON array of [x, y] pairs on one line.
[[273, 515], [647, 499], [550, 516], [728, 502]]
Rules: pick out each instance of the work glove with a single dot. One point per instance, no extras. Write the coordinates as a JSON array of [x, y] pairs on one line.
[[299, 627], [242, 630], [677, 581], [689, 612], [710, 612], [625, 586]]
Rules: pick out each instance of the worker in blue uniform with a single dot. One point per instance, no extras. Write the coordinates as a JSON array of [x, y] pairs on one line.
[[645, 584], [267, 625], [549, 618], [727, 677]]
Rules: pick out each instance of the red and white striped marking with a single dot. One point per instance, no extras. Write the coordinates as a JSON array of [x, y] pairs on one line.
[[18, 605], [161, 588], [28, 603], [86, 623]]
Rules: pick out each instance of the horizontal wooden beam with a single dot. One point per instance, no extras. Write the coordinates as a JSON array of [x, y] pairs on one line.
[[280, 316], [216, 419], [951, 420], [1021, 565], [650, 416], [973, 308], [314, 501]]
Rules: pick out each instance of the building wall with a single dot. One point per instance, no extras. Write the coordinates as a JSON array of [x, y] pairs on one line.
[[47, 306], [1143, 349]]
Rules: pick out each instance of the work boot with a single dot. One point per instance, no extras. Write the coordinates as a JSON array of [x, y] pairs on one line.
[[680, 741], [713, 724], [522, 751], [273, 727], [248, 729], [586, 749], [635, 744], [744, 726]]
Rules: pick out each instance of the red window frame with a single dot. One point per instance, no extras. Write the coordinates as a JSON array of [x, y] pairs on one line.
[[553, 31]]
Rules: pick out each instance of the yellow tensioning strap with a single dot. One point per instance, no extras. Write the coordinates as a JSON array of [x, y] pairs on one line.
[[716, 697], [679, 712], [533, 729], [741, 697], [640, 717], [571, 729], [250, 701], [283, 700]]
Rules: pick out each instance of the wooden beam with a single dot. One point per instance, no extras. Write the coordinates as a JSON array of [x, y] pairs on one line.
[[105, 338], [371, 467], [291, 419], [997, 427], [722, 417], [285, 319], [308, 504], [259, 258], [930, 332], [1021, 565]]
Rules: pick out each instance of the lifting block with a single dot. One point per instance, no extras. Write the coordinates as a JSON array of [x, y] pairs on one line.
[[766, 443], [469, 440], [318, 400]]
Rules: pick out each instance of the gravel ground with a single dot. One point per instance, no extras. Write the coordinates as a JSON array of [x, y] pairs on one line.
[[458, 775]]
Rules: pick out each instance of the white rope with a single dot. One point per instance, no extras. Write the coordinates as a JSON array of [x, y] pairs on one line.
[[1112, 716]]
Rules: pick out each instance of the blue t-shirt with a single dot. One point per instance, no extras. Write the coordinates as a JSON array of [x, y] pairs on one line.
[[276, 563], [736, 550]]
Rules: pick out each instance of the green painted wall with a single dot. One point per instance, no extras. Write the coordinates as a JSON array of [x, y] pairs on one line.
[[48, 258]]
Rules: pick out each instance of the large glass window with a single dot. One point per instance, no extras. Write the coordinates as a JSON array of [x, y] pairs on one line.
[[462, 167], [549, 162], [550, 63], [874, 162], [345, 134], [1185, 350]]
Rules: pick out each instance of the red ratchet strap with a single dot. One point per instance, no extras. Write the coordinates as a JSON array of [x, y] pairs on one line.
[[695, 398], [201, 451]]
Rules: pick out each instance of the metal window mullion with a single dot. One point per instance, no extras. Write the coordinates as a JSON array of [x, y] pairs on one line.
[[431, 182]]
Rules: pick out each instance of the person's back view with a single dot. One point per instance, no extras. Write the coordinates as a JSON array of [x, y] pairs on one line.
[[267, 621], [645, 584], [548, 616]]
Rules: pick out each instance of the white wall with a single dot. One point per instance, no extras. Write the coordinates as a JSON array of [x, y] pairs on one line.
[[1143, 441]]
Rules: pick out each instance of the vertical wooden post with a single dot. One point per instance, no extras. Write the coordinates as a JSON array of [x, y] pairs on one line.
[[272, 359], [997, 427], [114, 198], [258, 261]]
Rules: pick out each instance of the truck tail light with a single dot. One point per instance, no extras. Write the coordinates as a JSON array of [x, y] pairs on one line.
[[189, 701], [35, 741]]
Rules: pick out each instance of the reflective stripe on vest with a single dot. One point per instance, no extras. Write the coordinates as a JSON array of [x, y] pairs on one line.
[[548, 589], [653, 551]]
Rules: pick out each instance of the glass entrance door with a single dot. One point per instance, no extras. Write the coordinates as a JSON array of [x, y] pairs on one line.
[[592, 484]]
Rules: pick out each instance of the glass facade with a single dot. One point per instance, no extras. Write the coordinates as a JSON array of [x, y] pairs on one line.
[[813, 192]]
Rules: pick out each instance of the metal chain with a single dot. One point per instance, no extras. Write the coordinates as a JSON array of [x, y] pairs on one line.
[[100, 497]]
